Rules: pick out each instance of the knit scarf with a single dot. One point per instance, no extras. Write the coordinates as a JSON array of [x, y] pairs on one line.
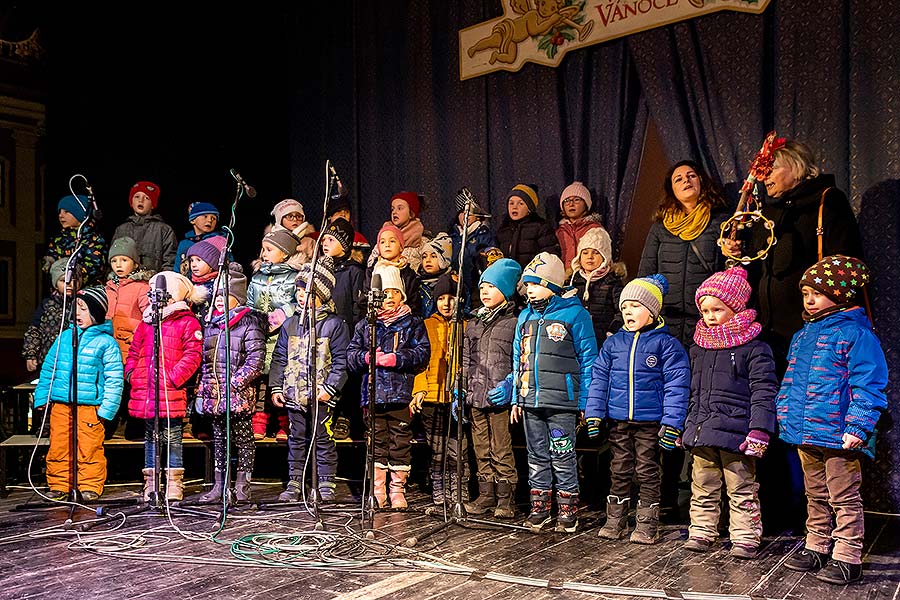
[[740, 329], [234, 316], [198, 279], [166, 311], [487, 315], [389, 316], [598, 273], [689, 226], [398, 262], [412, 241]]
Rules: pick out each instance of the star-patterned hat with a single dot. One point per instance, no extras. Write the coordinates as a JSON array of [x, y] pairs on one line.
[[839, 277]]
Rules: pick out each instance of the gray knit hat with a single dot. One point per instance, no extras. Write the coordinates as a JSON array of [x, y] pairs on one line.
[[649, 291], [237, 283], [284, 240], [124, 246], [323, 278], [57, 271]]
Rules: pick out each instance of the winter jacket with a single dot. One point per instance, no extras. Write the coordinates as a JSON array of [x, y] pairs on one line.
[[44, 328], [408, 339], [524, 239], [92, 258], [127, 302], [602, 302], [289, 371], [732, 391], [99, 366], [834, 383], [487, 355], [156, 241], [182, 351], [674, 257], [410, 282], [552, 356], [476, 241], [247, 353], [182, 264], [349, 293], [570, 232], [641, 375], [273, 287], [777, 277], [436, 380]]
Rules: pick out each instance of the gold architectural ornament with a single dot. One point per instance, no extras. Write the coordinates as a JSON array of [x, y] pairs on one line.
[[26, 50]]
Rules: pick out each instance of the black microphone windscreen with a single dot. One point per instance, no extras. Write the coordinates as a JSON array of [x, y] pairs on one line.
[[376, 281]]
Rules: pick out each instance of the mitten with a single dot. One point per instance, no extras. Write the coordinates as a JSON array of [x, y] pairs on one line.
[[756, 443], [669, 437], [386, 360], [594, 425]]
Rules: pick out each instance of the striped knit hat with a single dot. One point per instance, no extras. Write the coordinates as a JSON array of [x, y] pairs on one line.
[[528, 194], [95, 299], [323, 278], [648, 291], [730, 286]]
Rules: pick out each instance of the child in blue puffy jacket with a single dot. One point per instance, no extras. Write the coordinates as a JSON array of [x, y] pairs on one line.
[[553, 349], [829, 402], [641, 385], [99, 392]]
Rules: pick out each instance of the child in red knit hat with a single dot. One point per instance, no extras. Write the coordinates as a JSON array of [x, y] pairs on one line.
[[156, 241], [731, 413]]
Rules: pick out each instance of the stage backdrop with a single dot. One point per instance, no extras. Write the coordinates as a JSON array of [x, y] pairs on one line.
[[377, 90]]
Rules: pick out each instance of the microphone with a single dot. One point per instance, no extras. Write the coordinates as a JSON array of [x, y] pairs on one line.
[[248, 189], [342, 190], [376, 295], [95, 212], [464, 196]]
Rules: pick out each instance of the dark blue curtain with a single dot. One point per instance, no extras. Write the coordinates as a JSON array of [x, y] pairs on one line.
[[380, 94]]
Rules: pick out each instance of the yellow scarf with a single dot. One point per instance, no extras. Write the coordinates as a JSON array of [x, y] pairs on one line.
[[689, 226]]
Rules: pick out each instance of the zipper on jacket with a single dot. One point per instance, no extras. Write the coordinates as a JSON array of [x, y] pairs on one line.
[[631, 376], [537, 345]]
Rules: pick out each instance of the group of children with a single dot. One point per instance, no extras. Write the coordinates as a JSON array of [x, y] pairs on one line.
[[553, 345]]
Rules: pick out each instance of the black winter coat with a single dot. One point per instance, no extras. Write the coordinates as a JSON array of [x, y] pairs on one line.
[[732, 391], [602, 303], [776, 279], [487, 355], [524, 239], [349, 291], [673, 257]]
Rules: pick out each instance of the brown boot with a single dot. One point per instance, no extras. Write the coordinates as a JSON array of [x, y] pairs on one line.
[[647, 529], [149, 476], [174, 484], [380, 489], [616, 518], [215, 492], [487, 499], [506, 500], [398, 489], [242, 491]]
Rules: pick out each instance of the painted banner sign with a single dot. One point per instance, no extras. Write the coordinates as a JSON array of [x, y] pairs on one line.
[[543, 31]]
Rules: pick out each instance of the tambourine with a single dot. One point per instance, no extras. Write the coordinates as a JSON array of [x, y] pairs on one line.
[[745, 220]]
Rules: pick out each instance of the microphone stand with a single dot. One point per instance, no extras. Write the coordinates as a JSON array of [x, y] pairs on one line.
[[369, 504], [458, 514], [158, 298]]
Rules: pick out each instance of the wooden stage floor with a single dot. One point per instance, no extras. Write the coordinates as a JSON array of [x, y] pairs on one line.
[[270, 553]]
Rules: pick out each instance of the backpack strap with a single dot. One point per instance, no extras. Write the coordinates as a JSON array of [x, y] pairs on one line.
[[820, 231]]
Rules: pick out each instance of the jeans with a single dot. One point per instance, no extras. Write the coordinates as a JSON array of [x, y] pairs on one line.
[[833, 503], [550, 437], [710, 466], [169, 441]]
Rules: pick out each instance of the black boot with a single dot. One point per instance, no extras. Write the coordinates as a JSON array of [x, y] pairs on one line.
[[567, 519], [540, 509]]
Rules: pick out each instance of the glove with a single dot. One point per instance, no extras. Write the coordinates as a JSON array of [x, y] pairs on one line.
[[669, 437], [756, 443], [501, 394], [386, 360], [594, 426]]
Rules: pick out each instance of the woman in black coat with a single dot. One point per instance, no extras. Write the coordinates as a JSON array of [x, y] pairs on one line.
[[682, 243]]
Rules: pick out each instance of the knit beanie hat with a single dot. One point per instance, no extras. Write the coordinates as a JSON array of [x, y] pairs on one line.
[[342, 231], [411, 198], [442, 245], [547, 270], [97, 303], [124, 246], [197, 209], [596, 238], [237, 283], [504, 275], [284, 240], [286, 207], [77, 205], [839, 277], [730, 286], [58, 271], [393, 229], [578, 190], [149, 188], [390, 278], [179, 287], [445, 285], [323, 277], [648, 291], [528, 194], [209, 250]]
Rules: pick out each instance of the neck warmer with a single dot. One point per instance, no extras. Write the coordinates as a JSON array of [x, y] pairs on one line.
[[740, 329], [389, 316], [689, 226]]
